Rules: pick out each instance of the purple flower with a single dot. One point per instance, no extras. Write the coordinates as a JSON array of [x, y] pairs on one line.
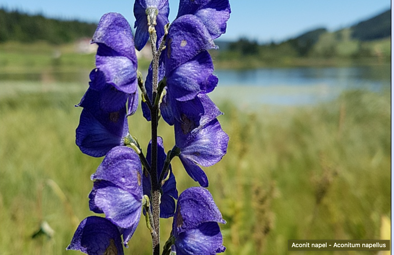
[[188, 70], [117, 189], [103, 123], [204, 145], [195, 226], [186, 65], [97, 236], [116, 56], [213, 13], [141, 11], [169, 192]]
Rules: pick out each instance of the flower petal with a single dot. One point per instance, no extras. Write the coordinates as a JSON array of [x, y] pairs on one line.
[[194, 171], [141, 23], [205, 145], [97, 236], [122, 167], [98, 133], [186, 38], [193, 77], [114, 33], [195, 207], [206, 239], [117, 189], [213, 13], [116, 54], [167, 206], [190, 114], [119, 71], [120, 207], [132, 104]]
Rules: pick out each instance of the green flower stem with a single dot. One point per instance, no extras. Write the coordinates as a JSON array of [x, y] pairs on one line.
[[170, 155], [144, 94], [167, 246], [133, 143], [163, 42], [162, 85], [148, 214]]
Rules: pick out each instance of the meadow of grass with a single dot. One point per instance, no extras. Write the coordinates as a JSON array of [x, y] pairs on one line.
[[320, 172]]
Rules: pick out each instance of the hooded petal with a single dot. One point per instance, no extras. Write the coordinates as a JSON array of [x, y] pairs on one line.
[[213, 14], [117, 189], [122, 167], [97, 236], [195, 207], [114, 35], [186, 38], [116, 54]]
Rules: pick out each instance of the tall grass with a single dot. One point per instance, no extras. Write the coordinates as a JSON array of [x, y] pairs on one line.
[[318, 172]]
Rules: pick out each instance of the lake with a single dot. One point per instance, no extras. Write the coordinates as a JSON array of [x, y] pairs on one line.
[[264, 86], [298, 85]]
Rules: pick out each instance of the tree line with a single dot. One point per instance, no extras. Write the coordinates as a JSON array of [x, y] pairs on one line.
[[22, 27]]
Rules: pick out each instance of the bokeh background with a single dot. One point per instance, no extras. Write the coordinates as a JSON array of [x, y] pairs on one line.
[[305, 91]]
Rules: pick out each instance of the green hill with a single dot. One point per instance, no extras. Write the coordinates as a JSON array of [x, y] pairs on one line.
[[374, 28]]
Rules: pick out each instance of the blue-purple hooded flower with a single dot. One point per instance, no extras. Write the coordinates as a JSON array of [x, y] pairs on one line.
[[116, 56], [97, 236], [204, 145], [186, 66], [188, 70], [195, 226], [141, 23], [169, 192], [103, 123], [212, 13], [117, 189]]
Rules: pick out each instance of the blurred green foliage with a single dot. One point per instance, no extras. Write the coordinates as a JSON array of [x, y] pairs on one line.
[[320, 172]]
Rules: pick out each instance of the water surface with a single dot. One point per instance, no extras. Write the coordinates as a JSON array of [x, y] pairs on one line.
[[298, 86]]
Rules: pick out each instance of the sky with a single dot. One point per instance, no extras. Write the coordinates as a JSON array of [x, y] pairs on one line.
[[261, 20]]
